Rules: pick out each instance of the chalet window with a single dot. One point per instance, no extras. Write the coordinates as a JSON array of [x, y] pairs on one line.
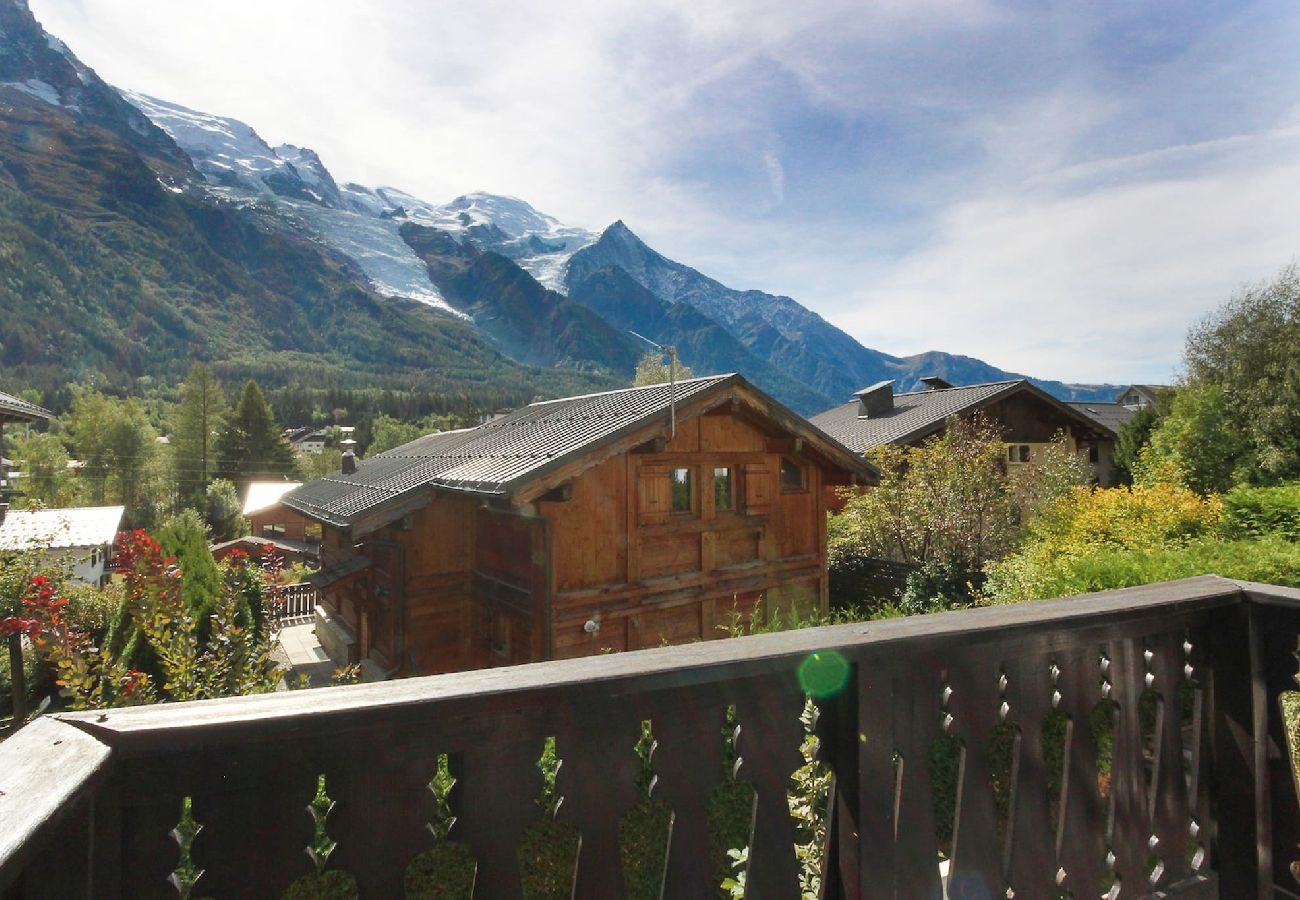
[[1018, 453], [273, 530], [792, 476], [1094, 453], [724, 499], [682, 494]]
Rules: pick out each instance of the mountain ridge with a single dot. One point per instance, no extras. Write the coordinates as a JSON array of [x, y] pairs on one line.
[[247, 249]]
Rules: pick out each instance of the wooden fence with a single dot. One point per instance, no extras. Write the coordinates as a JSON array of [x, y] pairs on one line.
[[296, 604], [1196, 797]]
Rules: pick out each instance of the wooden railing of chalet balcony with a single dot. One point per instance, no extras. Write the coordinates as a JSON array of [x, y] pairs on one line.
[[1200, 806]]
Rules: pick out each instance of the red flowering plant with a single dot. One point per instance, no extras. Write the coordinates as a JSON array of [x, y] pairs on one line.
[[156, 624], [87, 676], [234, 659]]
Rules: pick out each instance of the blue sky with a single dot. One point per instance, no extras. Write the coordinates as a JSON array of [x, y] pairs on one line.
[[1059, 189]]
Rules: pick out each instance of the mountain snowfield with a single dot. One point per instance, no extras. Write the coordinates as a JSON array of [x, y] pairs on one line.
[[358, 221]]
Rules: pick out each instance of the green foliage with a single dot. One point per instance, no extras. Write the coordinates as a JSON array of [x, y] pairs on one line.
[[1271, 560], [947, 507], [1109, 522], [43, 460], [310, 466], [1247, 349], [1135, 434], [185, 537], [651, 369], [223, 512], [388, 432], [938, 585], [198, 420], [947, 499], [1257, 511], [155, 621], [250, 446], [1197, 443], [116, 444]]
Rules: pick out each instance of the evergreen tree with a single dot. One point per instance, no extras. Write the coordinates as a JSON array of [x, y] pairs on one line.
[[223, 511], [250, 446], [185, 537], [198, 421]]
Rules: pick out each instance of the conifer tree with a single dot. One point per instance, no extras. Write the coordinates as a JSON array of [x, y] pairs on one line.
[[199, 418], [250, 447]]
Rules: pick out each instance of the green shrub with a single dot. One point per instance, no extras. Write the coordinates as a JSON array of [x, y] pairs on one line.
[[1257, 511], [1271, 559]]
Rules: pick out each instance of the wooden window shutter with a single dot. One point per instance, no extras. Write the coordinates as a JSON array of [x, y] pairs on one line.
[[758, 489], [654, 495]]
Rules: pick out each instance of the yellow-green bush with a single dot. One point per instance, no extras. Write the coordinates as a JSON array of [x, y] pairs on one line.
[[1122, 526]]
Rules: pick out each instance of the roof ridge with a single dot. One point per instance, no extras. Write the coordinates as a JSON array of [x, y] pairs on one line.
[[627, 390], [962, 387]]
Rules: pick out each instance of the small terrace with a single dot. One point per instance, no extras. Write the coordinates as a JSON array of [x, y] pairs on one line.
[[1196, 797]]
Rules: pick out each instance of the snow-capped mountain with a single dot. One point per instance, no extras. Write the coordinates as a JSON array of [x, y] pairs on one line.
[[231, 154], [358, 221]]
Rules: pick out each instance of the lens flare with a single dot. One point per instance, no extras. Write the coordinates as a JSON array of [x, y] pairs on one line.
[[823, 674]]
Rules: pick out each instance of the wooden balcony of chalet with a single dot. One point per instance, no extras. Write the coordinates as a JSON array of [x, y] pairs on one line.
[[1199, 798]]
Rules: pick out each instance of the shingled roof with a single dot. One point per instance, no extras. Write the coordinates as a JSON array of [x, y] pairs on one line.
[[13, 409], [920, 413], [498, 457], [1113, 415]]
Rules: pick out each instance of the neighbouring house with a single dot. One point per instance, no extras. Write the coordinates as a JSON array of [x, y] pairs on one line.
[[14, 410], [1029, 418], [613, 521], [268, 517], [78, 539], [305, 440], [293, 537], [1136, 396]]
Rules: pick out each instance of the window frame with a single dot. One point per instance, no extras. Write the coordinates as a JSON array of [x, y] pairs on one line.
[[692, 494], [795, 465]]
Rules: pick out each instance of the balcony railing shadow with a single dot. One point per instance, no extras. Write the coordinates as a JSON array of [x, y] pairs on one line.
[[1190, 794]]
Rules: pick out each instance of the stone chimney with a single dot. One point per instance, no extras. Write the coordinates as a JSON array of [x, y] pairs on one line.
[[935, 383], [875, 400]]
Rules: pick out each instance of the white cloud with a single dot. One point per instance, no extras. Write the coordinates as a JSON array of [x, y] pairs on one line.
[[1092, 286]]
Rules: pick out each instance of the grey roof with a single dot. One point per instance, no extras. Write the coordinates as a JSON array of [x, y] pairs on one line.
[[1113, 415], [14, 410], [913, 415], [57, 529], [498, 456], [920, 413]]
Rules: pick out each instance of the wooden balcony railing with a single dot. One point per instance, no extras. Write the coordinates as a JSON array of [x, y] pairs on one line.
[[1196, 795]]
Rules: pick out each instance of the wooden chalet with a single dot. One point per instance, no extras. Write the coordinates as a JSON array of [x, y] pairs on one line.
[[1029, 418], [591, 524]]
